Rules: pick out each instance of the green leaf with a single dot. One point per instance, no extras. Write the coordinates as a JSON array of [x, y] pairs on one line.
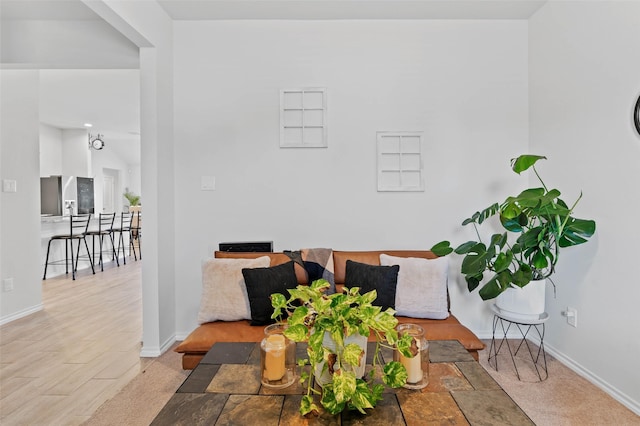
[[531, 237], [298, 316], [297, 333], [363, 397], [383, 321], [473, 281], [523, 275], [491, 289], [525, 161], [279, 302], [404, 345], [307, 406], [442, 248], [509, 211], [320, 285], [391, 336], [473, 264], [344, 385], [394, 374], [539, 260], [328, 400], [353, 354], [503, 261], [465, 248], [488, 212], [576, 232], [512, 225], [498, 240], [368, 298], [468, 220]]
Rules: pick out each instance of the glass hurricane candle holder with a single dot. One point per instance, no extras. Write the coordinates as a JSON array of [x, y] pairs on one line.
[[277, 358], [418, 365]]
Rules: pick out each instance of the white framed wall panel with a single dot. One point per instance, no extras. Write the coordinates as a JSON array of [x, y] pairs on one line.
[[303, 118], [399, 158]]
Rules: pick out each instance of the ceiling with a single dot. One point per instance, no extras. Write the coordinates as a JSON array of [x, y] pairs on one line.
[[56, 10], [350, 9], [290, 9]]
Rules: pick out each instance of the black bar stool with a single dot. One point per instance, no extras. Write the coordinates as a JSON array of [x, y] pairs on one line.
[[78, 226], [136, 234], [125, 227], [105, 229]]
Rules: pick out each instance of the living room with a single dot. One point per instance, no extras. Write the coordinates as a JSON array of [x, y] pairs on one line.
[[560, 80]]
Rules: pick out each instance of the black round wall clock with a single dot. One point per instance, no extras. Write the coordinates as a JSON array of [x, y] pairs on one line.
[[636, 115]]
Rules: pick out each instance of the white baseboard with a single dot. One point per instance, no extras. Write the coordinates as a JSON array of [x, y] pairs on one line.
[[181, 336], [20, 314], [154, 352], [621, 397]]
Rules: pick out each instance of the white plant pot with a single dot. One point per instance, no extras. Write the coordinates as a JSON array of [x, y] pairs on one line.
[[526, 303], [328, 342]]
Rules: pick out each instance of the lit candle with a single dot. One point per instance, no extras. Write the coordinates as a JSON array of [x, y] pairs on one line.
[[274, 365], [413, 366]]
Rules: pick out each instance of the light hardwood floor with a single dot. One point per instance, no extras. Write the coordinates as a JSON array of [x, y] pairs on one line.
[[59, 365]]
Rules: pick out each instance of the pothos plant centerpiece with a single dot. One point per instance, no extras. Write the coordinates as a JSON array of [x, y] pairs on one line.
[[539, 223], [315, 317]]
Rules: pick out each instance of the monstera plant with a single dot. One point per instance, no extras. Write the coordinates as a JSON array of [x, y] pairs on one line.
[[537, 224], [327, 323]]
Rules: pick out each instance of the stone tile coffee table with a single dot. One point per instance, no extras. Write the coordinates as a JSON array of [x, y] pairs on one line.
[[224, 389]]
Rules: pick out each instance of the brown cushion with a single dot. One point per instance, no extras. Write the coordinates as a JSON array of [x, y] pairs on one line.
[[276, 259], [446, 329], [371, 258], [202, 338]]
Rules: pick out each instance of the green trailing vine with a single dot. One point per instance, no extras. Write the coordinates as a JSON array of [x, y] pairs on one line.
[[312, 313]]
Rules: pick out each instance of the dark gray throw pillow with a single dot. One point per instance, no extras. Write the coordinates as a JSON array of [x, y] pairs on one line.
[[383, 279], [262, 283]]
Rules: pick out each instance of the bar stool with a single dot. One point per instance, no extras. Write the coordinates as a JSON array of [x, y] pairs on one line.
[[136, 233], [125, 227], [105, 229], [78, 226]]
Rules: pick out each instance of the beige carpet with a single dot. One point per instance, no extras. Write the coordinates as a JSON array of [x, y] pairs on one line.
[[563, 399]]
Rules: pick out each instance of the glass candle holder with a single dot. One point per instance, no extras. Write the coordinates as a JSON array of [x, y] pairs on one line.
[[277, 358], [418, 365]]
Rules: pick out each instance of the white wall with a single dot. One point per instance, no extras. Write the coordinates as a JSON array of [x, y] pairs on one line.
[[76, 157], [147, 25], [110, 160], [584, 81], [463, 83], [20, 211], [134, 177], [50, 150], [65, 44]]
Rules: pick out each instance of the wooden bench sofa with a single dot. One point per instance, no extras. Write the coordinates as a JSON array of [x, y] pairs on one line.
[[200, 340]]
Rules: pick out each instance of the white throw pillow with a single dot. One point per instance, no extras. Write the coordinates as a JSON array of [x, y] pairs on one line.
[[224, 293], [422, 286]]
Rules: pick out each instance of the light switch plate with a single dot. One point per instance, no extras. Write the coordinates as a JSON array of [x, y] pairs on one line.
[[7, 284], [9, 185], [208, 183]]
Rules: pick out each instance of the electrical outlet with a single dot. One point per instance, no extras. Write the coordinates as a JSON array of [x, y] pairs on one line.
[[7, 284], [572, 316]]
